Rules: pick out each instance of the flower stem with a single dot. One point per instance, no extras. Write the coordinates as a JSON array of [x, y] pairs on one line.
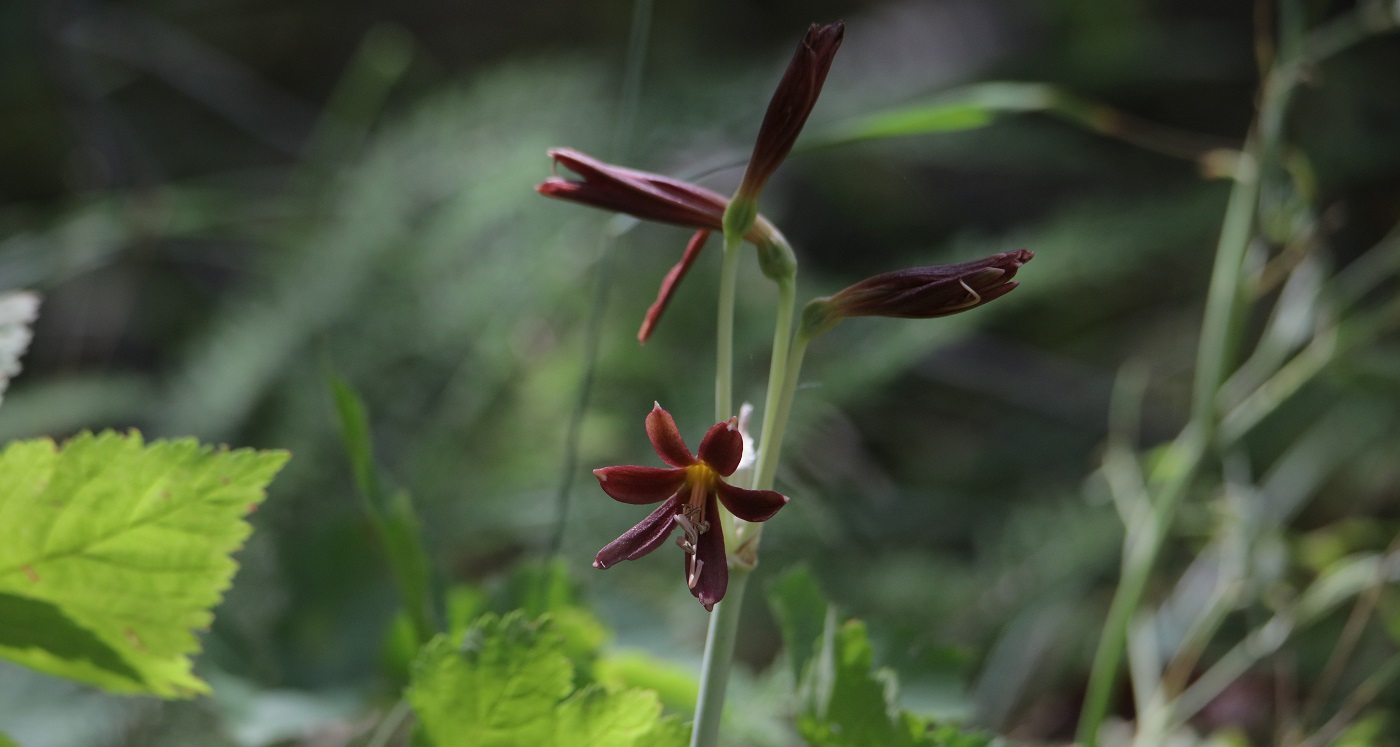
[[782, 380], [724, 333], [770, 440], [719, 657]]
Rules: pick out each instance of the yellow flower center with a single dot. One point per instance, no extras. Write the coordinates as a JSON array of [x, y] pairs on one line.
[[701, 478]]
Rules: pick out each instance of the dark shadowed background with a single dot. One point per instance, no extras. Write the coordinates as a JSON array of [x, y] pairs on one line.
[[223, 202]]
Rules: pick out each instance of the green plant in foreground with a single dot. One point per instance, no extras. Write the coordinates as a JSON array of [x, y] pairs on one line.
[[114, 551]]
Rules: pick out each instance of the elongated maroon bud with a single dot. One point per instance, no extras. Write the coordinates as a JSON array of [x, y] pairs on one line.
[[636, 193], [919, 292], [792, 102]]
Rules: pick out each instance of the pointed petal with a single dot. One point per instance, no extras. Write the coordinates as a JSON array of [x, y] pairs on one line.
[[640, 485], [637, 193], [669, 283], [666, 438], [723, 447], [641, 539], [750, 505], [713, 579]]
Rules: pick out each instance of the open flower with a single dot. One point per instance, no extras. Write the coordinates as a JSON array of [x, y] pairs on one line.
[[688, 492], [919, 292]]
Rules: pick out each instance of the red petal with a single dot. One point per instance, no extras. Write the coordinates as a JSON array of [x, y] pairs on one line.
[[640, 485], [709, 588], [638, 193], [669, 283], [723, 447], [641, 539], [666, 438], [750, 505]]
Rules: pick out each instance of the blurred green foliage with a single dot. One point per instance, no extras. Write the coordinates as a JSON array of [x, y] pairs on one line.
[[224, 203]]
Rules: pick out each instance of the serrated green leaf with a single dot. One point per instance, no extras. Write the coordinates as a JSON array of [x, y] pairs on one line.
[[113, 552], [548, 588], [669, 732], [847, 704], [852, 709], [40, 627], [499, 689], [594, 717], [675, 684], [511, 683]]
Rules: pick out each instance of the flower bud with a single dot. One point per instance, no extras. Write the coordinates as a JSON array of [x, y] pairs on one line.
[[776, 260], [919, 292], [787, 112]]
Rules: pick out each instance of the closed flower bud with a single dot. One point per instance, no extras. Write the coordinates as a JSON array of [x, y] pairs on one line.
[[787, 112], [919, 292]]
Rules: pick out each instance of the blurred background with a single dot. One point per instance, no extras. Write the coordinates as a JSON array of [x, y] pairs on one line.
[[223, 202]]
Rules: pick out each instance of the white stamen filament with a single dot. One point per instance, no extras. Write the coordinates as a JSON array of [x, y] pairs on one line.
[[690, 535], [976, 299]]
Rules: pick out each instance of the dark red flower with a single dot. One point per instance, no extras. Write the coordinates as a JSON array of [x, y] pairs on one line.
[[688, 492], [920, 292]]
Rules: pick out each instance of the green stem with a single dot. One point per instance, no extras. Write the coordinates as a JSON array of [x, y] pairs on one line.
[[724, 621], [767, 468], [719, 657], [724, 333], [1141, 546], [1143, 543], [770, 440], [775, 414]]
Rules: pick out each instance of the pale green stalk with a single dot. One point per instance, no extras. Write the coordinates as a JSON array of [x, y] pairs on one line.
[[770, 440], [719, 658], [1219, 342], [724, 620], [781, 405], [724, 333], [1143, 542]]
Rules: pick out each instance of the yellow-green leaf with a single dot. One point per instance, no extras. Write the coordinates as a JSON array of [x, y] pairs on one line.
[[113, 554]]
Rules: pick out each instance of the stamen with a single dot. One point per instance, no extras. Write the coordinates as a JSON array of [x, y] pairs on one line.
[[687, 525], [976, 299], [689, 534], [696, 565]]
